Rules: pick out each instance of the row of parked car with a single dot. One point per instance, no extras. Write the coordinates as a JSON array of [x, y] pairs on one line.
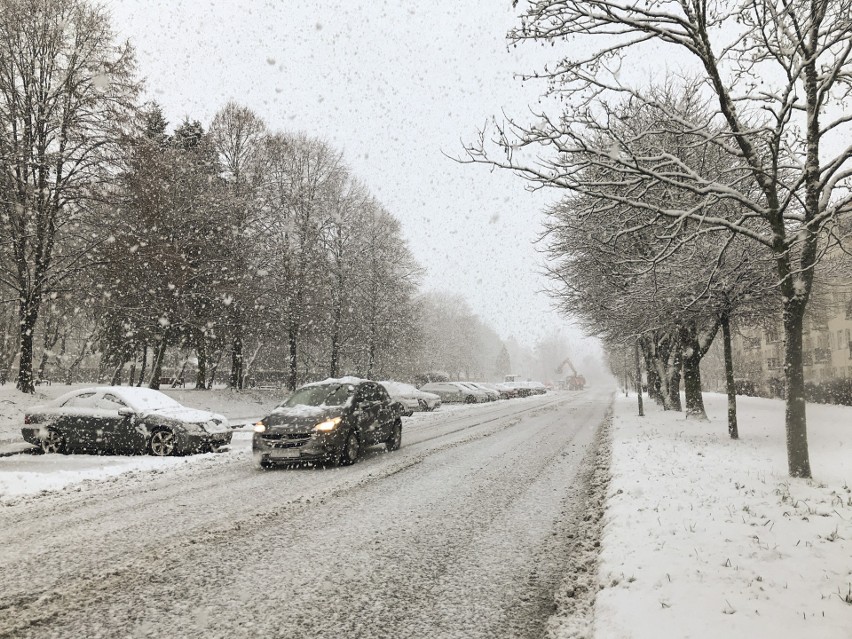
[[430, 396], [476, 392], [330, 420]]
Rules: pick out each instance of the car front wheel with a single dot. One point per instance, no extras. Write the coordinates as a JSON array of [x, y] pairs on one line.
[[351, 449], [162, 443], [53, 442], [395, 440]]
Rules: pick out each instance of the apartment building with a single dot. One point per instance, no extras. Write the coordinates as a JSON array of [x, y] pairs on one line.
[[827, 345]]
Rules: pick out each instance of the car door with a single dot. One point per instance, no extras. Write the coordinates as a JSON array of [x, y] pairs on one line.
[[98, 422], [367, 409], [458, 392], [72, 421], [387, 415], [117, 424]]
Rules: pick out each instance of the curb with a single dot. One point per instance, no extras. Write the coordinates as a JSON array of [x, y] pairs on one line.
[[16, 448]]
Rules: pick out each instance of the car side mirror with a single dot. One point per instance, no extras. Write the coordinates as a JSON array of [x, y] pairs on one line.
[[126, 412]]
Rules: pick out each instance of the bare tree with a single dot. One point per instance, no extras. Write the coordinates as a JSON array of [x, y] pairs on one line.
[[299, 181], [66, 91], [238, 135], [774, 70]]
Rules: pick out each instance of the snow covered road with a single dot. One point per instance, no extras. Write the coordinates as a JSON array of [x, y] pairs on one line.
[[464, 532]]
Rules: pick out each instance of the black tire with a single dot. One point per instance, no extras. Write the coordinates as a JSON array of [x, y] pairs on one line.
[[470, 399], [162, 443], [53, 442], [423, 405], [395, 440], [351, 450]]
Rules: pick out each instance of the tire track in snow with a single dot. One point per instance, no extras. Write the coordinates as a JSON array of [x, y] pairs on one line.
[[39, 606]]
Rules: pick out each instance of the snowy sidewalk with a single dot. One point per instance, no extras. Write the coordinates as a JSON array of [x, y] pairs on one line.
[[709, 537]]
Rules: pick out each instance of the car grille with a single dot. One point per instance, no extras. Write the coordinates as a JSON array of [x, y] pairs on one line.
[[286, 440]]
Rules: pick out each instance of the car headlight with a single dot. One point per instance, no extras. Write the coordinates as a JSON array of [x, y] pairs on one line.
[[328, 425], [260, 427], [199, 427]]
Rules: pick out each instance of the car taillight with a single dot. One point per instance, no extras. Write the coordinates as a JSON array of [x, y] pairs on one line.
[[28, 419]]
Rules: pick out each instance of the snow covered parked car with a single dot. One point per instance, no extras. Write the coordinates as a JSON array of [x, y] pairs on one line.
[[123, 419], [455, 392], [411, 399], [328, 421], [493, 394]]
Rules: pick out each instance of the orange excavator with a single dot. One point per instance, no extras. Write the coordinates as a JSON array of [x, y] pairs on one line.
[[574, 381]]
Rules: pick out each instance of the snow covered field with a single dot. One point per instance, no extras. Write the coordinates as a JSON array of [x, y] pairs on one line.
[[708, 537]]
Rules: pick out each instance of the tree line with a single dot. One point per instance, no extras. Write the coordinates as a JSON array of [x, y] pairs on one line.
[[696, 196], [234, 247]]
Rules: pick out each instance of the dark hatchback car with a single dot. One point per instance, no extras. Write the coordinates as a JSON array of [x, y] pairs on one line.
[[328, 421], [123, 419]]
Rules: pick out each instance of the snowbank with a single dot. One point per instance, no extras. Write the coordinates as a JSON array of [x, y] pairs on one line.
[[709, 537]]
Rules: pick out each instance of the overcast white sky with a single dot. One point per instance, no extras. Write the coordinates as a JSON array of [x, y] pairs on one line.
[[393, 84]]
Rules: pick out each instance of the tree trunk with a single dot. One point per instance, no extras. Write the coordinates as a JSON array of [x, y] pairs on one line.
[[201, 371], [248, 365], [692, 387], [638, 366], [28, 314], [371, 355], [236, 379], [42, 364], [144, 363], [215, 368], [116, 375], [798, 461], [653, 380], [673, 371], [731, 387], [105, 361], [180, 380], [157, 364], [292, 357]]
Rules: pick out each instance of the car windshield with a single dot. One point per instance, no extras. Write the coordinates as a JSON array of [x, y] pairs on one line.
[[320, 395], [398, 388]]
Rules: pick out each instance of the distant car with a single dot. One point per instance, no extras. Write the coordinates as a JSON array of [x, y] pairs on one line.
[[493, 393], [123, 419], [329, 421], [449, 392], [520, 389], [410, 399], [480, 395], [537, 388], [502, 390]]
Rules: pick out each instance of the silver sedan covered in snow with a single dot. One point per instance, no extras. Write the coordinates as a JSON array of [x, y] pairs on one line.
[[410, 399], [123, 419]]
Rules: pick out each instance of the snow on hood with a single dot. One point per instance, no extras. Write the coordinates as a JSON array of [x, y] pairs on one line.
[[302, 410], [194, 416]]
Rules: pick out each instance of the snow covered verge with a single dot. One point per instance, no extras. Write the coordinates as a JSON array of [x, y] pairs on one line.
[[709, 537], [575, 597]]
